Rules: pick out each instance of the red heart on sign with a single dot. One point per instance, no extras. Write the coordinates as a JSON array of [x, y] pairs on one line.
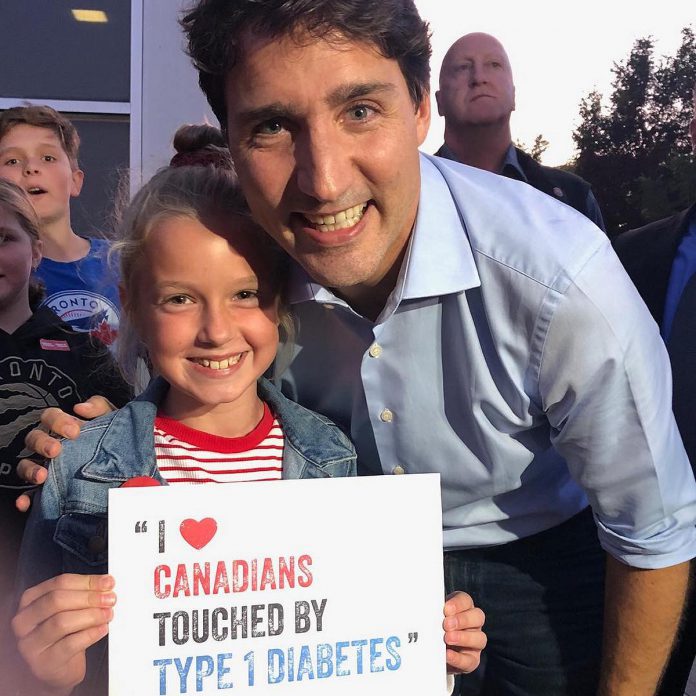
[[196, 533]]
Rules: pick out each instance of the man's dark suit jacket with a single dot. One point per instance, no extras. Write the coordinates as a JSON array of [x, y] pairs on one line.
[[647, 254]]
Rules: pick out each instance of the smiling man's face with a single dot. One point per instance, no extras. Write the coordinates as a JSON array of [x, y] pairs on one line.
[[325, 136], [476, 87]]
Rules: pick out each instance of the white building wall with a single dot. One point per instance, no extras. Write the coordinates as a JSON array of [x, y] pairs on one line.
[[164, 86]]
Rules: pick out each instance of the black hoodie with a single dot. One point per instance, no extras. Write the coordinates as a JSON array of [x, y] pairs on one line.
[[43, 363]]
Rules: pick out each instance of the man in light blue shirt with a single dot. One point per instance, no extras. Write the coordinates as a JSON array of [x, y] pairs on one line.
[[455, 321], [526, 373], [458, 322], [504, 366]]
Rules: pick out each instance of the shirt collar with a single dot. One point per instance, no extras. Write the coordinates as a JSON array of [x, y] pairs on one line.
[[438, 261], [445, 152], [511, 160]]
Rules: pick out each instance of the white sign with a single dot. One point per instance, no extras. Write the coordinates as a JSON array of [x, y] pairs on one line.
[[288, 587]]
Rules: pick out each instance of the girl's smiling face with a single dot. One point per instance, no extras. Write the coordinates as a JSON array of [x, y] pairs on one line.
[[207, 310]]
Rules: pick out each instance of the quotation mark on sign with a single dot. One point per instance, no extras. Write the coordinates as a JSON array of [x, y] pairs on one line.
[[413, 637], [141, 528]]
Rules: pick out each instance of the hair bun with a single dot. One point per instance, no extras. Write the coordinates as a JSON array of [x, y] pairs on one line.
[[198, 145]]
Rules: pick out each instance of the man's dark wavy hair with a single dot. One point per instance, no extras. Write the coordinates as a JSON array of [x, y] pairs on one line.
[[216, 28]]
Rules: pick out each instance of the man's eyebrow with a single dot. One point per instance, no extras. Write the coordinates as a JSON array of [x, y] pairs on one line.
[[267, 112], [341, 95], [349, 92], [458, 64]]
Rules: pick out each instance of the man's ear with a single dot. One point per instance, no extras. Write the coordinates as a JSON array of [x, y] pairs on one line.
[[437, 100], [78, 178], [423, 117]]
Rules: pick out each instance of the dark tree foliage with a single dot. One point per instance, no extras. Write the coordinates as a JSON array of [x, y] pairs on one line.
[[636, 153], [538, 148]]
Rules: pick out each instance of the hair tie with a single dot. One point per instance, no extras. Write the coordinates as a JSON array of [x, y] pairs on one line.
[[203, 157]]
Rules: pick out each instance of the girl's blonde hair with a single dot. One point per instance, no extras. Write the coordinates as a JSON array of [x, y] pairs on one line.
[[16, 202], [199, 184]]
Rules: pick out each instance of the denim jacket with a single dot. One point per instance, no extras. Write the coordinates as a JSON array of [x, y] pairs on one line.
[[67, 531]]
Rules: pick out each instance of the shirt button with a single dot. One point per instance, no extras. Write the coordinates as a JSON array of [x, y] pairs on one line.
[[386, 416], [398, 469], [328, 306], [375, 350]]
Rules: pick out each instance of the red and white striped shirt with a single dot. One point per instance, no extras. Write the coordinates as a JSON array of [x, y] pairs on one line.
[[186, 455]]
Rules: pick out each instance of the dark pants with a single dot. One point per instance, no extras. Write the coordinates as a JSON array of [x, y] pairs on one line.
[[543, 597]]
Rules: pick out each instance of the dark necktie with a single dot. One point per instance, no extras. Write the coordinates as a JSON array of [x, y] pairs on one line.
[[682, 352]]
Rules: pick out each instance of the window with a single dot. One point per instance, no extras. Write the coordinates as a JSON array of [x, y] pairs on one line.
[[52, 55]]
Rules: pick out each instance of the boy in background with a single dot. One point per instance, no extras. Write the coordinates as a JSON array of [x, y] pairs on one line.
[[38, 152]]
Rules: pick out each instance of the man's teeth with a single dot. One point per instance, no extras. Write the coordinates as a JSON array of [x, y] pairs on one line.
[[338, 221], [219, 364]]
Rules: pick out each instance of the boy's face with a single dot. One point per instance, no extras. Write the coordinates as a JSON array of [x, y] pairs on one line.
[[34, 159]]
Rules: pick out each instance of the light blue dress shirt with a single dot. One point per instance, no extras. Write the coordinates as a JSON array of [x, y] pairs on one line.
[[515, 358], [592, 210]]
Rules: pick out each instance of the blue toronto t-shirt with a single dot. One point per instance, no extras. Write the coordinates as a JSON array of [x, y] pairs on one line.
[[84, 293]]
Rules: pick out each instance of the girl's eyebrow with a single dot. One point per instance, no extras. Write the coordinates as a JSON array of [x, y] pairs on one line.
[[170, 284], [248, 280]]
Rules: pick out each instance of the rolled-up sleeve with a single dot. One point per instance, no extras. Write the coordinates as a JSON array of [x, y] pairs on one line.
[[605, 385]]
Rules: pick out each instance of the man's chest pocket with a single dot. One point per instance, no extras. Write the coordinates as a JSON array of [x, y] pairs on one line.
[[84, 540]]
